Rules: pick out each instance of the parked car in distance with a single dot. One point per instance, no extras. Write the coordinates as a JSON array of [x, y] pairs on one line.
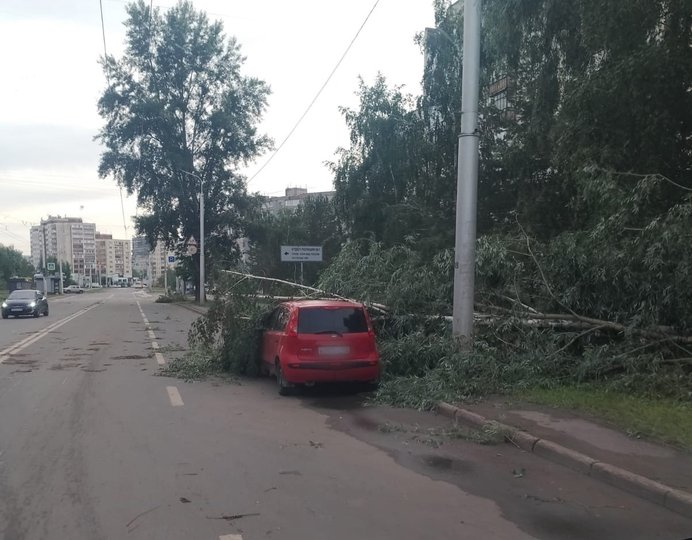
[[25, 302], [73, 289], [312, 341], [96, 286]]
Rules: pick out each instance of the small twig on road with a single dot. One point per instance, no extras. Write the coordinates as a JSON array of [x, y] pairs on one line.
[[234, 516], [142, 514]]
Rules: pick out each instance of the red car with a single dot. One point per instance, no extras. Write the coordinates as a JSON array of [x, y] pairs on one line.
[[313, 341]]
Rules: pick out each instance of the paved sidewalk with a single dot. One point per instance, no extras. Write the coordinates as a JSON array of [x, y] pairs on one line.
[[652, 471]]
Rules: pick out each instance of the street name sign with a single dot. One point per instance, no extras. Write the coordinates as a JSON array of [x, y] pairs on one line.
[[301, 253]]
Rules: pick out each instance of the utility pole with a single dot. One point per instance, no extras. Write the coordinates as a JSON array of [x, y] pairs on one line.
[[467, 177], [149, 274], [202, 295], [62, 285], [44, 268]]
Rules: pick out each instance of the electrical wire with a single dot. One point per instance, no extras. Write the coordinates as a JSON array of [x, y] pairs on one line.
[[319, 92], [103, 32], [105, 57]]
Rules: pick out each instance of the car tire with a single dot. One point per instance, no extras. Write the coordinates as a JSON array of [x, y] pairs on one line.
[[36, 313], [5, 316], [46, 312], [285, 388]]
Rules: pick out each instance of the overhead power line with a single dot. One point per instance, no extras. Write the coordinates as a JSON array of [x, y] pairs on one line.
[[319, 92], [105, 57], [103, 32]]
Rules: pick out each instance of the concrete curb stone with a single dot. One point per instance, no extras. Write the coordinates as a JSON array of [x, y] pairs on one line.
[[634, 483], [564, 456], [668, 497], [196, 309]]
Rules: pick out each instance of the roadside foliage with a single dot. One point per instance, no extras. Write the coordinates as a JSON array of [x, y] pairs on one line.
[[584, 210]]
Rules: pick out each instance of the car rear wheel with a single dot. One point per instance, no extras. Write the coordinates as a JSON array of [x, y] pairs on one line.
[[285, 388]]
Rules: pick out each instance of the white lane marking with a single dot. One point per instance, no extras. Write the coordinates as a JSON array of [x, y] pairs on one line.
[[174, 396], [13, 349], [231, 537], [160, 360]]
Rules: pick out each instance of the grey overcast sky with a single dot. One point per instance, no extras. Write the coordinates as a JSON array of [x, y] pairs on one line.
[[52, 81]]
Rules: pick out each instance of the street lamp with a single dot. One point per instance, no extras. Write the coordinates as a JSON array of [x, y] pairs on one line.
[[202, 296]]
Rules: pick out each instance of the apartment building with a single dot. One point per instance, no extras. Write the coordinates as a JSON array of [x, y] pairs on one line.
[[67, 239], [113, 257]]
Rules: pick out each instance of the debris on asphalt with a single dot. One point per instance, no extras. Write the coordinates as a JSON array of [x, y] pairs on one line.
[[184, 500], [234, 516], [141, 514]]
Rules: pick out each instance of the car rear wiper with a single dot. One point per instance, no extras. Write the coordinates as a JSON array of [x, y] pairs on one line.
[[330, 332]]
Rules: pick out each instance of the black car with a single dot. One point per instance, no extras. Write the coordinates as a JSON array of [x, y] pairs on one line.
[[25, 302]]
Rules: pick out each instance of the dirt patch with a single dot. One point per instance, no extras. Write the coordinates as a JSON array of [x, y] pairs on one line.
[[131, 357]]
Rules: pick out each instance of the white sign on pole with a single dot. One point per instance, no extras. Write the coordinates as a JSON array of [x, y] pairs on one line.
[[301, 253], [50, 266], [191, 246]]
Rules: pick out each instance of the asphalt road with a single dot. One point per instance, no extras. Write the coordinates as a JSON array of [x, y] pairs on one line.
[[94, 445]]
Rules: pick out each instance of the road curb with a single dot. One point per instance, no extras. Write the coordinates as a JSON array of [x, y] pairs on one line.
[[671, 498], [196, 309]]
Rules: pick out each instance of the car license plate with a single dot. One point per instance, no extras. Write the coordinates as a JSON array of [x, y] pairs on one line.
[[334, 350], [17, 309]]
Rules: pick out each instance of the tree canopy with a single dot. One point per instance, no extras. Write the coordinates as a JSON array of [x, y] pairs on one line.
[[181, 117], [13, 263], [586, 153]]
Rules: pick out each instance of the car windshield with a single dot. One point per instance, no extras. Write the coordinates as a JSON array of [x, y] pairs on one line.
[[22, 295], [319, 320]]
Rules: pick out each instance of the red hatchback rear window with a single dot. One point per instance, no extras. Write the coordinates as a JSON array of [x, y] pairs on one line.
[[324, 320]]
